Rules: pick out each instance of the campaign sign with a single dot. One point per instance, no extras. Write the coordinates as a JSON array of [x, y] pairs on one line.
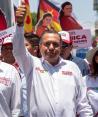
[[6, 33], [81, 38]]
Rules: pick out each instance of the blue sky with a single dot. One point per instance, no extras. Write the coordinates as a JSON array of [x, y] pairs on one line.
[[83, 10]]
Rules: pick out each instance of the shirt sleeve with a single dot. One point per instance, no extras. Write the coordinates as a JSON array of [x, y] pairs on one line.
[[16, 96], [22, 56]]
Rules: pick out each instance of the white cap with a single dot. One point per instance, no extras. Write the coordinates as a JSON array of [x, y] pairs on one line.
[[90, 54], [7, 40], [65, 37]]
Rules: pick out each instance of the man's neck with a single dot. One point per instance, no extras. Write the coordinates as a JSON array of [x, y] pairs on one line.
[[53, 63]]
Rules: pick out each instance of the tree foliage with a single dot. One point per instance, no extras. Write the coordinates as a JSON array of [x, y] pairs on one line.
[[34, 18]]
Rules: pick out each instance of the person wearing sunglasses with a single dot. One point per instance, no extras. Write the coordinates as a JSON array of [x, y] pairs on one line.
[[66, 53]]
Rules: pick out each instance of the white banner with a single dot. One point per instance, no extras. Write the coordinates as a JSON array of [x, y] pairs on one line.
[[81, 38], [6, 33]]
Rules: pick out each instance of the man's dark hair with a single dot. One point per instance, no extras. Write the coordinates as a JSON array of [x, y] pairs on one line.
[[51, 32]]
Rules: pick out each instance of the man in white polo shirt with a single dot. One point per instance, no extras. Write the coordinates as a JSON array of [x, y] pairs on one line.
[[9, 91], [7, 57], [55, 86]]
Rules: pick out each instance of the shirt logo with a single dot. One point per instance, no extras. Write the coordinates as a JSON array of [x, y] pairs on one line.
[[67, 73], [5, 81], [40, 70]]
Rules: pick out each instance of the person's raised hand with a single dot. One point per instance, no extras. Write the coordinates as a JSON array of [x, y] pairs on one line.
[[21, 13]]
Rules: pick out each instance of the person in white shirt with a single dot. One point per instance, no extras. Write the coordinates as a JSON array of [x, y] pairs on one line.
[[9, 91], [7, 57], [55, 86], [91, 80]]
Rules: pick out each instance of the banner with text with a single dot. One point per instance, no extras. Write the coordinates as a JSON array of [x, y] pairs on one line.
[[6, 33], [81, 38]]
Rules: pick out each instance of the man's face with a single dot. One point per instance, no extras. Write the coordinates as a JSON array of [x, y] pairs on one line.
[[50, 47]]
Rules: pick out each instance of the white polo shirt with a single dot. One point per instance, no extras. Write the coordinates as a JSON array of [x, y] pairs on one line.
[[53, 91], [9, 91]]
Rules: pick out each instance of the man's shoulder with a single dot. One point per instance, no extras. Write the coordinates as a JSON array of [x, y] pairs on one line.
[[80, 60], [5, 66], [68, 62]]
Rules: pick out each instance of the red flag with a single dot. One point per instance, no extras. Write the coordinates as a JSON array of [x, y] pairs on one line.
[[46, 6], [28, 27], [3, 23]]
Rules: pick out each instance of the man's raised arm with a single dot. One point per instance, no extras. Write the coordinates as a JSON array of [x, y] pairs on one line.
[[21, 55]]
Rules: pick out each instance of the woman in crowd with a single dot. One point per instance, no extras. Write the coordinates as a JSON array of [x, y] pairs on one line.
[[92, 80], [67, 21], [44, 24]]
